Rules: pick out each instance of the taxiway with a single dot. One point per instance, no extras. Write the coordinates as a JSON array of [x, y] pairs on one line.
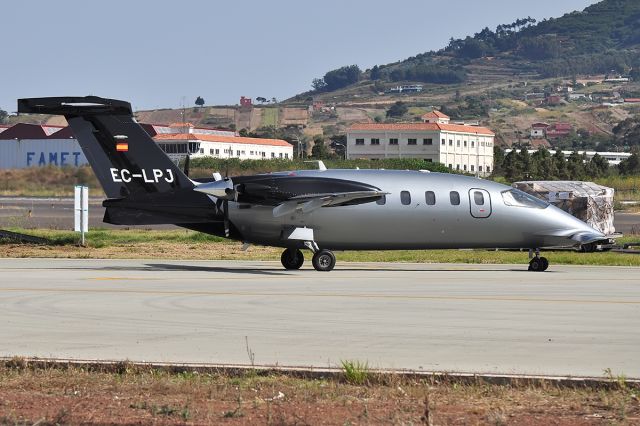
[[465, 318]]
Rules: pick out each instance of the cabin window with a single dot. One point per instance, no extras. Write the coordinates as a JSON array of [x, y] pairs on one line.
[[430, 198], [393, 141], [478, 198], [405, 198], [382, 200], [359, 141], [454, 197], [413, 141]]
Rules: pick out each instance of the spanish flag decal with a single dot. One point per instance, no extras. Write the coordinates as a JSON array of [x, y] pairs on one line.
[[122, 146]]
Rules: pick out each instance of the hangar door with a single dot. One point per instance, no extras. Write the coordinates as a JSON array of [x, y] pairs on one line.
[[480, 202]]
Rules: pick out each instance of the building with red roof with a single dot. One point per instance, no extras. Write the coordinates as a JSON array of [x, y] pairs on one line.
[[28, 145], [458, 146]]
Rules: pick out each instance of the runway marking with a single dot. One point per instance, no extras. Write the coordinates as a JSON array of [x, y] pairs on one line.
[[321, 295]]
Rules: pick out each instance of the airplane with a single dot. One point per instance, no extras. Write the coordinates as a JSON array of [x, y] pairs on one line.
[[319, 210]]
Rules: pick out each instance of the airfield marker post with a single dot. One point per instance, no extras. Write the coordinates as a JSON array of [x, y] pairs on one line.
[[81, 211]]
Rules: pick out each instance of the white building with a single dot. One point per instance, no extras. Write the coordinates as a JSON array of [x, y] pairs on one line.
[[30, 145], [460, 147], [614, 158]]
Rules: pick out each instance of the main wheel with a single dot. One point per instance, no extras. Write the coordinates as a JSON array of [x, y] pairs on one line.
[[323, 260], [545, 263], [292, 258], [536, 264]]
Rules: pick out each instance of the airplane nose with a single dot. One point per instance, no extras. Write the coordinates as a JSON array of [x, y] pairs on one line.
[[569, 230]]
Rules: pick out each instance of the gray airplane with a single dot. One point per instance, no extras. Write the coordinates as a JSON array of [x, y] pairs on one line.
[[319, 210]]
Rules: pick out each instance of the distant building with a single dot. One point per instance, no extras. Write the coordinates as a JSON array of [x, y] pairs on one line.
[[553, 100], [558, 130], [408, 88], [30, 145], [632, 101], [460, 147], [245, 102], [576, 96], [538, 130], [613, 158]]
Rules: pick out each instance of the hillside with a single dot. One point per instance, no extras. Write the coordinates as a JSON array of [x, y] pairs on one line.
[[506, 78]]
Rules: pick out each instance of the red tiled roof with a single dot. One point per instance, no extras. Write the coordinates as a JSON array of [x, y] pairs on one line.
[[221, 139], [181, 125], [422, 127], [435, 113], [632, 100]]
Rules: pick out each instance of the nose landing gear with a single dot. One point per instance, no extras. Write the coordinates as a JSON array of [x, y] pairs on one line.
[[537, 263], [323, 260]]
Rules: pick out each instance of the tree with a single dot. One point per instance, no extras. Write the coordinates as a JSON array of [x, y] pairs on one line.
[[397, 110], [631, 165], [261, 99], [575, 166], [560, 165], [512, 166], [319, 149], [3, 116], [200, 101], [375, 73], [319, 85], [341, 77], [598, 166]]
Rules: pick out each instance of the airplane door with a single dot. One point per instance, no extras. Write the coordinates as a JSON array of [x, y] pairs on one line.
[[480, 202]]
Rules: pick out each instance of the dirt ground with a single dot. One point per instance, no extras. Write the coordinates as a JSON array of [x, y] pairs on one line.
[[129, 395]]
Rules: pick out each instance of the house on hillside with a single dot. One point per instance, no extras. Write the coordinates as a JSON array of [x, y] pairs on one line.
[[538, 130], [553, 100], [558, 130]]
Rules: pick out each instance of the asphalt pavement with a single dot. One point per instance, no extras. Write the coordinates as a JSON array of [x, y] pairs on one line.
[[575, 321]]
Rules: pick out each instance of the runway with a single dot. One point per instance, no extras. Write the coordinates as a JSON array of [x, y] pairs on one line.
[[575, 321]]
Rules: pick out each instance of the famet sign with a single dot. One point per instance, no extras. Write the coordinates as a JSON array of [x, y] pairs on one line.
[[60, 159]]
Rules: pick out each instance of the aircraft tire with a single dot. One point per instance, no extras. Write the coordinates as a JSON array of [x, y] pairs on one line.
[[324, 260], [536, 264], [545, 263], [292, 259]]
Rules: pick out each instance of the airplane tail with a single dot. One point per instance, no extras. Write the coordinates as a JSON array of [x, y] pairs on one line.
[[143, 185]]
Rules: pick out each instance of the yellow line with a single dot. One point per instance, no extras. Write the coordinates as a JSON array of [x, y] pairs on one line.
[[328, 295]]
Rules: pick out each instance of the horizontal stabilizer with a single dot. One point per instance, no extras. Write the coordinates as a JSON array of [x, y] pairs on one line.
[[73, 105]]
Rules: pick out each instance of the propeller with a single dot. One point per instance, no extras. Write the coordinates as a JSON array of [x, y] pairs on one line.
[[224, 191]]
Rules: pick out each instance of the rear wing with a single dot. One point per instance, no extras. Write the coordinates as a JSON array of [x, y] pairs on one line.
[[74, 106]]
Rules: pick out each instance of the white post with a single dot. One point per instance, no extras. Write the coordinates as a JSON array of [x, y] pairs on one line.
[[81, 211]]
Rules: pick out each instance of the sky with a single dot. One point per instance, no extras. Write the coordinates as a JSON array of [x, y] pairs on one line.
[[163, 54]]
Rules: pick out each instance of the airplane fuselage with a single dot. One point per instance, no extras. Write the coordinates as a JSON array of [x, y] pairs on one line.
[[419, 212]]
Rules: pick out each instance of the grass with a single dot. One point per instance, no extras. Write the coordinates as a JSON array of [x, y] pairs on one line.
[[191, 245], [355, 372], [67, 394], [269, 117]]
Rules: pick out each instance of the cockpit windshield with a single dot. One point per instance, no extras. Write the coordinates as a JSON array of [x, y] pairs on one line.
[[515, 197]]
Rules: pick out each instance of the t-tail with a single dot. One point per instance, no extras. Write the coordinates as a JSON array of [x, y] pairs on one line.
[[142, 184]]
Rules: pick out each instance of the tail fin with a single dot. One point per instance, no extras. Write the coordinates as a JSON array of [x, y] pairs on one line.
[[123, 156]]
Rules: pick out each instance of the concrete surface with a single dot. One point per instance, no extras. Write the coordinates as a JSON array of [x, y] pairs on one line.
[[465, 318]]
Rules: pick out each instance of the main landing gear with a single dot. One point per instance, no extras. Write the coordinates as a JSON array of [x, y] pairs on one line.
[[537, 263], [323, 260]]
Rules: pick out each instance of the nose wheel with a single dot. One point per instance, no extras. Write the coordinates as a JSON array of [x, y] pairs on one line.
[[323, 260], [538, 263]]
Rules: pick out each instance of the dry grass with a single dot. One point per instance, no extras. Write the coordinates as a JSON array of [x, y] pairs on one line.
[[190, 245], [129, 395]]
